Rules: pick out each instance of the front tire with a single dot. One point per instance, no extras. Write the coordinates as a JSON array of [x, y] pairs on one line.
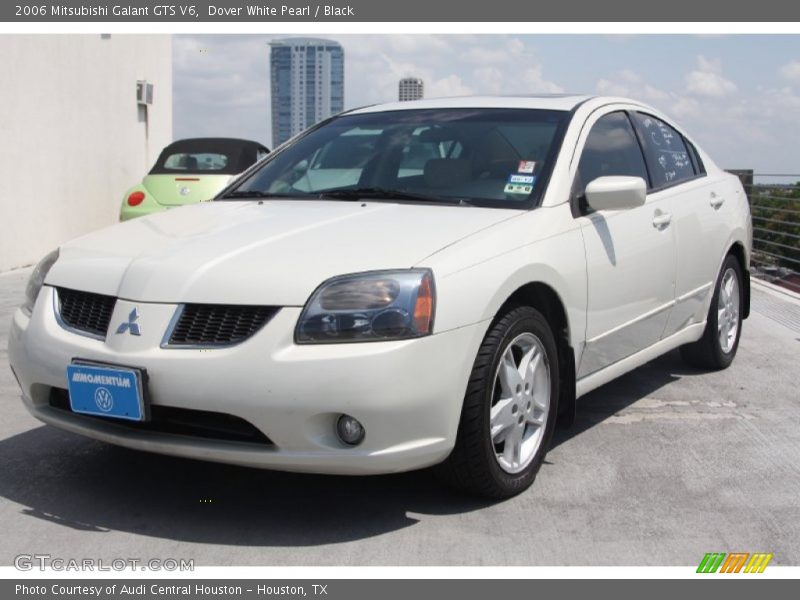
[[716, 349], [509, 410]]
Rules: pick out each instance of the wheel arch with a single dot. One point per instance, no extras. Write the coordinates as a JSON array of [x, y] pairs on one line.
[[546, 299], [737, 250]]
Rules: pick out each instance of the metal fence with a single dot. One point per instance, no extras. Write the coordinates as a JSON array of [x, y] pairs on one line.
[[775, 206]]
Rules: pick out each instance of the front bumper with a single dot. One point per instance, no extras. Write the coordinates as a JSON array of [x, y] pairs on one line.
[[407, 394]]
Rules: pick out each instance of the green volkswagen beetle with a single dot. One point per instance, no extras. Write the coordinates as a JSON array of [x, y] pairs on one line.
[[189, 171]]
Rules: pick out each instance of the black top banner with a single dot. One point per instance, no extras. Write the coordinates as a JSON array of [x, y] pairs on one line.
[[282, 11]]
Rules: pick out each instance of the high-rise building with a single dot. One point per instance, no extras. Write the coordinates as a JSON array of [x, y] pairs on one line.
[[307, 82], [410, 88]]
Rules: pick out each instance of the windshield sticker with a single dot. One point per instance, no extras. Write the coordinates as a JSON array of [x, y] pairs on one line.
[[529, 179], [518, 188], [526, 166]]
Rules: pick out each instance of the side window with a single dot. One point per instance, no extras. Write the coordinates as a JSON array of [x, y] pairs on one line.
[[611, 149], [699, 167], [667, 156]]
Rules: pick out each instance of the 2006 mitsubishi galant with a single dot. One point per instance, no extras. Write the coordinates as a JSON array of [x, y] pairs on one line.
[[400, 286]]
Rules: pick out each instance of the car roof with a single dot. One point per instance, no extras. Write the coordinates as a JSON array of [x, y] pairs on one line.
[[222, 143], [541, 101]]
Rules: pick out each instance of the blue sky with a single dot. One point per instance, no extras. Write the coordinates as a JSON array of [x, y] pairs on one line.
[[738, 96]]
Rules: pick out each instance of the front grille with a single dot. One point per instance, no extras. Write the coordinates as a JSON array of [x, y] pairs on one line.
[[179, 421], [218, 324], [84, 311]]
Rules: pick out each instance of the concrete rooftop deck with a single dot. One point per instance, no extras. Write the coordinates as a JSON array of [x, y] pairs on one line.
[[662, 466]]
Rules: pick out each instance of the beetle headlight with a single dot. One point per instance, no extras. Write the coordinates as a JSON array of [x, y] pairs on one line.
[[37, 280], [366, 307]]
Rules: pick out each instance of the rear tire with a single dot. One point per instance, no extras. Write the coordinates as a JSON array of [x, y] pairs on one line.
[[510, 408], [717, 348]]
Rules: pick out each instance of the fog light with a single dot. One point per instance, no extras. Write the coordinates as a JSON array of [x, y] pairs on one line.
[[349, 430]]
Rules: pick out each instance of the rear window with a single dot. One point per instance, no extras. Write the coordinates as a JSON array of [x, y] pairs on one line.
[[205, 161], [212, 156], [666, 153]]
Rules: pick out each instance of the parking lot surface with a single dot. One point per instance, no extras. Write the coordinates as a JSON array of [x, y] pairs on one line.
[[663, 465]]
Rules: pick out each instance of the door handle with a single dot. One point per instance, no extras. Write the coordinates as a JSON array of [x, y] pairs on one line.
[[661, 219], [716, 201]]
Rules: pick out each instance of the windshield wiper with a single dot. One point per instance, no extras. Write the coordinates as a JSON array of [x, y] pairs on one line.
[[239, 194], [377, 193]]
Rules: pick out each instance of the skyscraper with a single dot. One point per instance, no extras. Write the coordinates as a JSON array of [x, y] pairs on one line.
[[410, 88], [307, 82]]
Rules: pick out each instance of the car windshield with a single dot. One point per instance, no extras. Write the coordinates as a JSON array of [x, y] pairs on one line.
[[486, 157]]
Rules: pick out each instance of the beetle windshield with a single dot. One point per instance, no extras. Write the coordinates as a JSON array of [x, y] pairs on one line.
[[486, 157]]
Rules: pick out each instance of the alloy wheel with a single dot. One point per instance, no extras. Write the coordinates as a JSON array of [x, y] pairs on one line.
[[520, 403], [728, 311]]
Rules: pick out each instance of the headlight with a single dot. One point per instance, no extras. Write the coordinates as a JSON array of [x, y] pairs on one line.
[[369, 307], [37, 280]]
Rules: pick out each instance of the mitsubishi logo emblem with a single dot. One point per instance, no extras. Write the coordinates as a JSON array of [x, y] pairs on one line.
[[130, 325]]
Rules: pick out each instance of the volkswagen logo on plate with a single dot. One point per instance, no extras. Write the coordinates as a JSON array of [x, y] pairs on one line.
[[184, 191], [103, 399]]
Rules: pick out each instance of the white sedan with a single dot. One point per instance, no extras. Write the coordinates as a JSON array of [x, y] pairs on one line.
[[406, 285]]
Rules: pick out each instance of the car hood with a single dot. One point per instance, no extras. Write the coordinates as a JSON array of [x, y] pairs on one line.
[[274, 252]]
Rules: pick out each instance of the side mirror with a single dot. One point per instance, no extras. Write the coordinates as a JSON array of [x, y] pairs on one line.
[[616, 192]]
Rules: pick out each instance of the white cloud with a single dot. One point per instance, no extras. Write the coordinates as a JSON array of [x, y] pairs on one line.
[[686, 108], [707, 79], [722, 123], [495, 80], [221, 86], [485, 56], [405, 44], [502, 53], [449, 65], [515, 46], [791, 71], [449, 86], [535, 83], [629, 84], [221, 83], [489, 80]]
